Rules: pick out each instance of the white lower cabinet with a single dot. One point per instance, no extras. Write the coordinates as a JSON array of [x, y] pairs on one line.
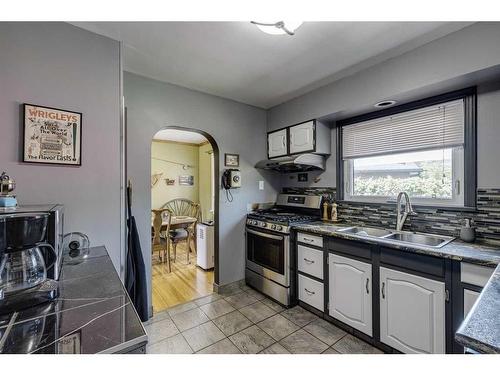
[[412, 312], [350, 298]]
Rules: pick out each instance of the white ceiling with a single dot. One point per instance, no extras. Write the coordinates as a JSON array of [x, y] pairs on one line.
[[179, 136], [236, 60]]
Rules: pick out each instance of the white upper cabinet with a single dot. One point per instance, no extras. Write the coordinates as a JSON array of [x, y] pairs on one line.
[[412, 312], [308, 137], [277, 143], [302, 138], [350, 292]]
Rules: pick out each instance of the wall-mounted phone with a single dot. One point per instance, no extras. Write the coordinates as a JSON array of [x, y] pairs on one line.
[[231, 178]]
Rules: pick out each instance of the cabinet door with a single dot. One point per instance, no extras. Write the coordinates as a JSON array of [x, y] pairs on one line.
[[350, 298], [302, 137], [412, 312], [470, 298], [277, 143]]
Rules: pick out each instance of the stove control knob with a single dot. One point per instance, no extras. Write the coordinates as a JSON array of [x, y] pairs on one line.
[[273, 226], [279, 227], [262, 224]]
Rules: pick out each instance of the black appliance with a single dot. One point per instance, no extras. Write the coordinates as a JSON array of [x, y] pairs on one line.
[[25, 258]]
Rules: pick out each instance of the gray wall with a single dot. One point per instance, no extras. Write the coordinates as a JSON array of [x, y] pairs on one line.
[[237, 128], [58, 65], [451, 62], [488, 135]]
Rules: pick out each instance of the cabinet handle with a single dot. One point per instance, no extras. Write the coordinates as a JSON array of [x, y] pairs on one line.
[[308, 261], [309, 292], [284, 141], [383, 290], [366, 286], [308, 240]]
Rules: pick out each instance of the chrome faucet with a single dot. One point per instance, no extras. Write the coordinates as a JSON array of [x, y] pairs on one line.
[[401, 217]]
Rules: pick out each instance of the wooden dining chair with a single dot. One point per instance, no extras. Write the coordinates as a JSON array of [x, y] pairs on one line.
[[196, 213], [188, 233], [180, 206], [161, 238]]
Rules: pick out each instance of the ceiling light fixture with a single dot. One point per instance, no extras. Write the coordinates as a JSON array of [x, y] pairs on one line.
[[385, 103], [278, 28]]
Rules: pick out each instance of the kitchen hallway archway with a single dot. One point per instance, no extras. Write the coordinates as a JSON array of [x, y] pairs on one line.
[[172, 147]]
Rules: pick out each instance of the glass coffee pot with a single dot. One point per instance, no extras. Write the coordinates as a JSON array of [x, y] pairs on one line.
[[23, 269]]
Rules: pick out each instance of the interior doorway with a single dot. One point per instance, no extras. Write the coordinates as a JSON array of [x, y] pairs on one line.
[[184, 216]]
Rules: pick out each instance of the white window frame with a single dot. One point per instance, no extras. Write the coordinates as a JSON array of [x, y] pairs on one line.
[[457, 182]]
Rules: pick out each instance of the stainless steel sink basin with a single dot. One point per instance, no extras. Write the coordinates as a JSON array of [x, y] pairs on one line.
[[363, 231], [420, 239], [431, 240], [332, 227]]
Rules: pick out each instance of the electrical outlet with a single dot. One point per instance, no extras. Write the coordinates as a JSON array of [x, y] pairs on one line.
[[261, 185]]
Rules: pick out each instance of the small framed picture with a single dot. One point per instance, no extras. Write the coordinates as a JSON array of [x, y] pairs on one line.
[[232, 160], [51, 135], [186, 180]]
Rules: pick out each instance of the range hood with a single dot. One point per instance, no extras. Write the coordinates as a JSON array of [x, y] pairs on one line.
[[294, 163]]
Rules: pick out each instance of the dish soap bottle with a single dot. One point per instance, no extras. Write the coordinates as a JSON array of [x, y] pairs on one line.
[[467, 232]]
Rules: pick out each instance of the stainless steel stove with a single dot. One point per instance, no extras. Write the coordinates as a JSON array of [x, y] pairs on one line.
[[268, 253]]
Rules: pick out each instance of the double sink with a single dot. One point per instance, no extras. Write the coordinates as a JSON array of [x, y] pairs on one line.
[[431, 240]]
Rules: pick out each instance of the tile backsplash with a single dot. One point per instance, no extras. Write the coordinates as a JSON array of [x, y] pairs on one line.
[[486, 216]]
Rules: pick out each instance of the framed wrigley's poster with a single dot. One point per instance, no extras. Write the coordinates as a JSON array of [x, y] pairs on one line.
[[52, 136]]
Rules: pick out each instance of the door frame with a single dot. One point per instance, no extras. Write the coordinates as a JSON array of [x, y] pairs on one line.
[[216, 177]]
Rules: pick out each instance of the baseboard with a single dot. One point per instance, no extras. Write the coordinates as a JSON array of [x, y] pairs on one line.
[[227, 288]]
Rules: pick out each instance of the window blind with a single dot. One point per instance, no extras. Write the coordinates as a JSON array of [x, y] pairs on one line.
[[437, 126]]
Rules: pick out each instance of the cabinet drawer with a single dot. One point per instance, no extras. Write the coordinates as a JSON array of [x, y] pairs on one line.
[[310, 239], [415, 262], [311, 292], [310, 261], [474, 274], [350, 248]]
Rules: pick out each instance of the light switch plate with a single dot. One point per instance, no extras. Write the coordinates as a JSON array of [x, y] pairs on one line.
[[261, 185]]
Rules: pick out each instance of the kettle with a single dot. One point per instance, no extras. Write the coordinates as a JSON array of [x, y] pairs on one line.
[[7, 185]]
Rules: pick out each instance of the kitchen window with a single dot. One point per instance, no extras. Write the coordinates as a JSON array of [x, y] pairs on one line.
[[427, 151]]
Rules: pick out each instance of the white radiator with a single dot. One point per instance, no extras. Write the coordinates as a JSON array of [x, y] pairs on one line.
[[205, 246]]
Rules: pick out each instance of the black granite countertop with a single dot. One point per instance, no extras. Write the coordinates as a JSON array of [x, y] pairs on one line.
[[93, 314], [480, 330], [478, 253]]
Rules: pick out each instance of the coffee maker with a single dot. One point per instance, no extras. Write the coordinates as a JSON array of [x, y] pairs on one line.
[[25, 258]]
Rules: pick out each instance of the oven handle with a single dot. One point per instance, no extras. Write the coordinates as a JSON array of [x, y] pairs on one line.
[[265, 235]]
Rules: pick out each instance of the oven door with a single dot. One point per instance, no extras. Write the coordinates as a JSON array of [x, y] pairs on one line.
[[268, 254]]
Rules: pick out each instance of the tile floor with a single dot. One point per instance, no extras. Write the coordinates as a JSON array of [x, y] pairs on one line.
[[245, 321]]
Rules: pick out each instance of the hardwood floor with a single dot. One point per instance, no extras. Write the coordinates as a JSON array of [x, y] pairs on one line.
[[183, 284]]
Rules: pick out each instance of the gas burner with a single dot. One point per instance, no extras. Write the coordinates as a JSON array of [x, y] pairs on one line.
[[277, 220]]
